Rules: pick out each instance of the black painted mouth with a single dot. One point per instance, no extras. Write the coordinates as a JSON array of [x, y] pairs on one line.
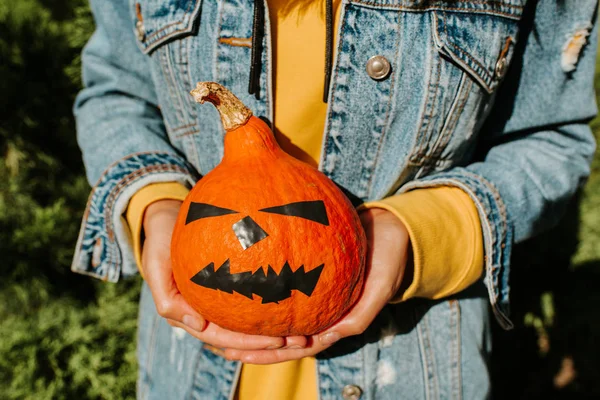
[[270, 286]]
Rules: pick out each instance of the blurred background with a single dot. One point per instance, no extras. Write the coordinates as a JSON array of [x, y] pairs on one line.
[[64, 336]]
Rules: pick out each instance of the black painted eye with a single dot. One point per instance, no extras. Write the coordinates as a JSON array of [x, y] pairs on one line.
[[203, 210], [311, 210]]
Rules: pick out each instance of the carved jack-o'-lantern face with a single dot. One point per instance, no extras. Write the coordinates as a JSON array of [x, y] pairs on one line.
[[265, 244]]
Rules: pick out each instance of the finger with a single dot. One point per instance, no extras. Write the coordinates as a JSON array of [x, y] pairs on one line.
[[169, 302], [312, 348], [223, 338], [354, 323], [295, 342], [368, 306], [384, 272], [272, 356]]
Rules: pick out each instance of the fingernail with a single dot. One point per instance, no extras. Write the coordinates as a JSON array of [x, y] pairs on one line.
[[274, 346], [295, 347], [329, 338], [193, 322]]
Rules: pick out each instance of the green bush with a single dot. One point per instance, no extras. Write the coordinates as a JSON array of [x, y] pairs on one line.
[[61, 335]]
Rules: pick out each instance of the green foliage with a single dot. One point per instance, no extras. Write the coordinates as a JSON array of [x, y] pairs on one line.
[[64, 336]]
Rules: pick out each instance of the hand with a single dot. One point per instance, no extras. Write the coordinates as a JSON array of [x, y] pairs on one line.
[[388, 244], [159, 221]]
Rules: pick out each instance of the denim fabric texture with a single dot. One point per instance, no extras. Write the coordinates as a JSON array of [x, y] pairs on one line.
[[514, 138]]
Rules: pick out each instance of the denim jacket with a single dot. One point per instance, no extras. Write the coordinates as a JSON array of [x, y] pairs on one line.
[[491, 96]]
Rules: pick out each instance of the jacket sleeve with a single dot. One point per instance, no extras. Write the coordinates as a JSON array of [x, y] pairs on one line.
[[536, 143], [123, 140]]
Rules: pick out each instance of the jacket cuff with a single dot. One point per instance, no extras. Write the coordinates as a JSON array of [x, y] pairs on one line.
[[137, 208], [104, 248], [497, 230]]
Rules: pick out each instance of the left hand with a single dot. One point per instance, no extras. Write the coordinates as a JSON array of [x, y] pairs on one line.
[[388, 244]]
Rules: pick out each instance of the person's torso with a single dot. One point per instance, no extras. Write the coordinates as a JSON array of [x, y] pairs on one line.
[[416, 108], [411, 85]]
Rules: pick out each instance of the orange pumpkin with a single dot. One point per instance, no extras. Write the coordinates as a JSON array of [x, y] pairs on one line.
[[264, 243]]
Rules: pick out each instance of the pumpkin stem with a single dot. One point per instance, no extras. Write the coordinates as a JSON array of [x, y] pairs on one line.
[[233, 112]]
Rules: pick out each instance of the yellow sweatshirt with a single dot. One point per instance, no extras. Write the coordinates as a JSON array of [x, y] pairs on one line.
[[443, 222]]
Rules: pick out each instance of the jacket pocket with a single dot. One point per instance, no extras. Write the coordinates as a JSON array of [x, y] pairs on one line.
[[166, 32], [157, 21], [480, 44], [473, 53]]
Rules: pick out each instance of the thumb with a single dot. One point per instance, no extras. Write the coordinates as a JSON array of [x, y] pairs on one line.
[[169, 302]]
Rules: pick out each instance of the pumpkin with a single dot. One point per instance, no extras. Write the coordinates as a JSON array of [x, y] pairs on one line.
[[264, 243]]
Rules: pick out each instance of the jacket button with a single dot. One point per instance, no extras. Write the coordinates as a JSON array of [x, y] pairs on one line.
[[501, 67], [140, 31], [351, 392], [378, 67]]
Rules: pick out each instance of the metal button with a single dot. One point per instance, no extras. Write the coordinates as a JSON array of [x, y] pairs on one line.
[[378, 67], [351, 392], [140, 31], [501, 67]]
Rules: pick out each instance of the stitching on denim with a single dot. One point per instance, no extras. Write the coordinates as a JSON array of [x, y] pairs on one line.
[[167, 76], [423, 351], [429, 132], [468, 187], [392, 81], [458, 114], [491, 267], [441, 8], [192, 152], [110, 199], [456, 349], [420, 132], [484, 70], [111, 257], [430, 383], [182, 127], [448, 131], [182, 21], [157, 44], [109, 202], [497, 197], [501, 207], [457, 58], [217, 53], [498, 3], [187, 133], [149, 37], [436, 385], [333, 89], [429, 108], [491, 188], [186, 79], [455, 111], [178, 93], [459, 48], [150, 47]]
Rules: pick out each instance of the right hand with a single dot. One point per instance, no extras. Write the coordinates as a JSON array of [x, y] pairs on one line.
[[159, 221]]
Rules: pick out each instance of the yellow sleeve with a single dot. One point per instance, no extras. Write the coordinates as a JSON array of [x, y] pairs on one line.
[[446, 240], [138, 204]]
